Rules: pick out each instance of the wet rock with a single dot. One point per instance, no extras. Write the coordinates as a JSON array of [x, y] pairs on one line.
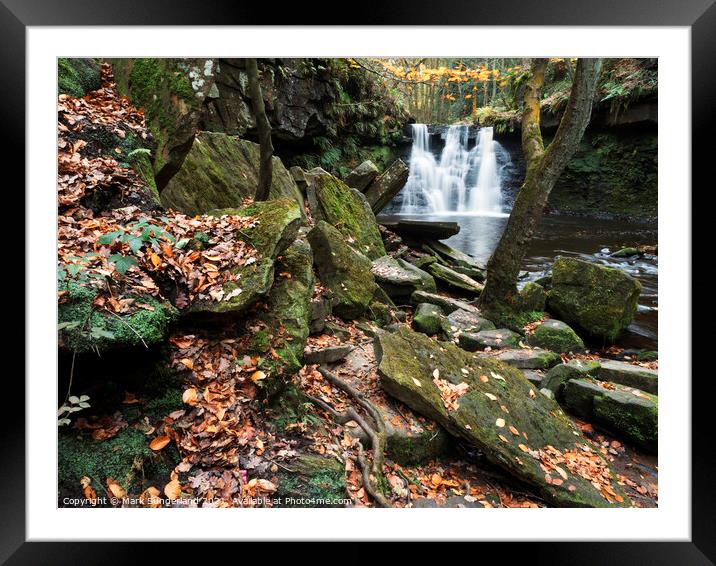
[[453, 279], [500, 338], [629, 412], [332, 201], [448, 304], [457, 259], [220, 171], [428, 319], [600, 300], [557, 336], [328, 355], [362, 176], [628, 374], [559, 375], [418, 230], [399, 279], [345, 272], [626, 252], [407, 365], [388, 184]]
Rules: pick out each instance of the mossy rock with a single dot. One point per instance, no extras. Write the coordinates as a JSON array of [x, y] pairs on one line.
[[559, 375], [529, 358], [346, 272], [532, 297], [399, 279], [220, 171], [312, 481], [428, 319], [626, 252], [635, 417], [91, 329], [447, 304], [76, 77], [600, 300], [277, 224], [454, 280], [347, 210], [498, 338], [171, 92], [468, 321], [288, 317], [557, 336], [407, 361]]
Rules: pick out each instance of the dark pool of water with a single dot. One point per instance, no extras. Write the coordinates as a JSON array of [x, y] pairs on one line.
[[585, 238]]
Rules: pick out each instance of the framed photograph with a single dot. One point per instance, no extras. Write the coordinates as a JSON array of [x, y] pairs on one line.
[[410, 279]]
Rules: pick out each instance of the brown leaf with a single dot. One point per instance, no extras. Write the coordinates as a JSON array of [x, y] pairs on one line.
[[159, 442]]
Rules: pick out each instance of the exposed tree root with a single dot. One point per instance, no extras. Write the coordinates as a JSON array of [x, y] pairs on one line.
[[372, 473]]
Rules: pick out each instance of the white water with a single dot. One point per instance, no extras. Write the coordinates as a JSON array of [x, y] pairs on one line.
[[462, 181]]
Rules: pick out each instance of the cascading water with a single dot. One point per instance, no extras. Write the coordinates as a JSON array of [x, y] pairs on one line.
[[462, 181]]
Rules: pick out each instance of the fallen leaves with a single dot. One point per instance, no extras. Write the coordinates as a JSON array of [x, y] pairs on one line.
[[449, 392], [173, 489], [159, 443]]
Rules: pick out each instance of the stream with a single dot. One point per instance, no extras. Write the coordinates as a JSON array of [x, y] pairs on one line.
[[452, 181]]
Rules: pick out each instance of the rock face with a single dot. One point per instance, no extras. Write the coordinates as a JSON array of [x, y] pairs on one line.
[[362, 176], [344, 271], [399, 279], [388, 184], [621, 410], [172, 93], [515, 440], [220, 171], [600, 300], [344, 208], [557, 336], [277, 224]]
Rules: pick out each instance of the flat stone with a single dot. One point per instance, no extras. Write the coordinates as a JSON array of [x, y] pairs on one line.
[[399, 279], [629, 374], [453, 279], [628, 412], [448, 304], [328, 355], [422, 228], [529, 358], [500, 338], [468, 321]]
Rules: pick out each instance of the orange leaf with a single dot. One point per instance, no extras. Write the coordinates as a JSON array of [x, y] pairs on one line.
[[159, 442], [190, 396], [172, 489], [156, 260]]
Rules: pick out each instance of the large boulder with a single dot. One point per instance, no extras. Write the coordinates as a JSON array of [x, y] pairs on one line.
[[629, 412], [346, 209], [172, 93], [600, 300], [276, 226], [493, 407], [221, 171], [388, 184], [399, 279], [346, 272]]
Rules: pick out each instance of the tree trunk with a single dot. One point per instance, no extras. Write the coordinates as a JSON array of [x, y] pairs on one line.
[[263, 130], [544, 167]]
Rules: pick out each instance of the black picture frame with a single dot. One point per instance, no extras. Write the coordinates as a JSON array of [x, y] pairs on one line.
[[699, 15]]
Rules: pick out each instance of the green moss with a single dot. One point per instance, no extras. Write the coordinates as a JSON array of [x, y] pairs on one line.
[[99, 330], [127, 458], [318, 480], [76, 77], [507, 317], [556, 336], [419, 448], [346, 210], [428, 319]]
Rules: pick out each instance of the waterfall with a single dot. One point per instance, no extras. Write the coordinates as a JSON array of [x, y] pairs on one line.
[[460, 181]]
